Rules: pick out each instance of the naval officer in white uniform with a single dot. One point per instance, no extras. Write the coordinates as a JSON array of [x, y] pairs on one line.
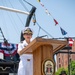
[[26, 60]]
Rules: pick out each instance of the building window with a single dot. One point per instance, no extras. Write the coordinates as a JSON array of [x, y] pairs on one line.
[[59, 65], [59, 60]]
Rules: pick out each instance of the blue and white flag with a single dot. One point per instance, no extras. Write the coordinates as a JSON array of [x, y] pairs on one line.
[[63, 31]]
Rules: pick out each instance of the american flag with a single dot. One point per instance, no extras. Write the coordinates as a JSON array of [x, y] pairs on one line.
[[71, 42], [8, 49]]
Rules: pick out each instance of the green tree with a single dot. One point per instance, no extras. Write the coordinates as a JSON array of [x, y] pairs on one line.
[[72, 68], [61, 69]]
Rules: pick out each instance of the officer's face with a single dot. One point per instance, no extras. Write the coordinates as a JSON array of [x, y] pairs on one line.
[[27, 36]]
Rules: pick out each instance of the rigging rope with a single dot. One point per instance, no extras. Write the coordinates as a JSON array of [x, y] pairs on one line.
[[4, 21], [23, 5], [44, 30], [38, 24], [17, 14], [30, 16], [12, 21]]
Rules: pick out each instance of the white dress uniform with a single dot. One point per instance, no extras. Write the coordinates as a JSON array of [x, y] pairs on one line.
[[25, 66]]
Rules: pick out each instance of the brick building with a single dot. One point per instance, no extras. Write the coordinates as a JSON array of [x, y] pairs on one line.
[[62, 58]]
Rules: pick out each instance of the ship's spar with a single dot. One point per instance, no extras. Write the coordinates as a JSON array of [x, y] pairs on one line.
[[30, 14]]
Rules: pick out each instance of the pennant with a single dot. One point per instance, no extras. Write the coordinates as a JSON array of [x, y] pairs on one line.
[[38, 0], [42, 4], [55, 21], [47, 12], [71, 42], [63, 31]]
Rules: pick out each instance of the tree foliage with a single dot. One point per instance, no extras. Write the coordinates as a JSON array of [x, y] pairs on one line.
[[59, 71], [72, 68]]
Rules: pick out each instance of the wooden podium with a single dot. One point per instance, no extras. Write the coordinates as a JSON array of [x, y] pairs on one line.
[[43, 51]]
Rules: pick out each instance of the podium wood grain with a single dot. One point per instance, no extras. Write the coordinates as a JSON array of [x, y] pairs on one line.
[[43, 49]]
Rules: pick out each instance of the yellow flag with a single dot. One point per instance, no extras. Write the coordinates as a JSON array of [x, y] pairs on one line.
[[38, 0]]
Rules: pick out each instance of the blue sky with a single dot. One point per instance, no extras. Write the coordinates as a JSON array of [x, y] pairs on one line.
[[63, 11]]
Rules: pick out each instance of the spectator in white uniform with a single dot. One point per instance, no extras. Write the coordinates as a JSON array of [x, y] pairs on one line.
[[26, 60]]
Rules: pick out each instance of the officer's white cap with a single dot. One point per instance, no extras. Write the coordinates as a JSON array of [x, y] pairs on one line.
[[27, 30]]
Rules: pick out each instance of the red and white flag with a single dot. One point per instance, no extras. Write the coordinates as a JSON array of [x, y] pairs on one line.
[[71, 42], [55, 21], [8, 48]]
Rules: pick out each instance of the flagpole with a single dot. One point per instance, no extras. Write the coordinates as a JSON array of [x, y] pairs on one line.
[[68, 57]]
